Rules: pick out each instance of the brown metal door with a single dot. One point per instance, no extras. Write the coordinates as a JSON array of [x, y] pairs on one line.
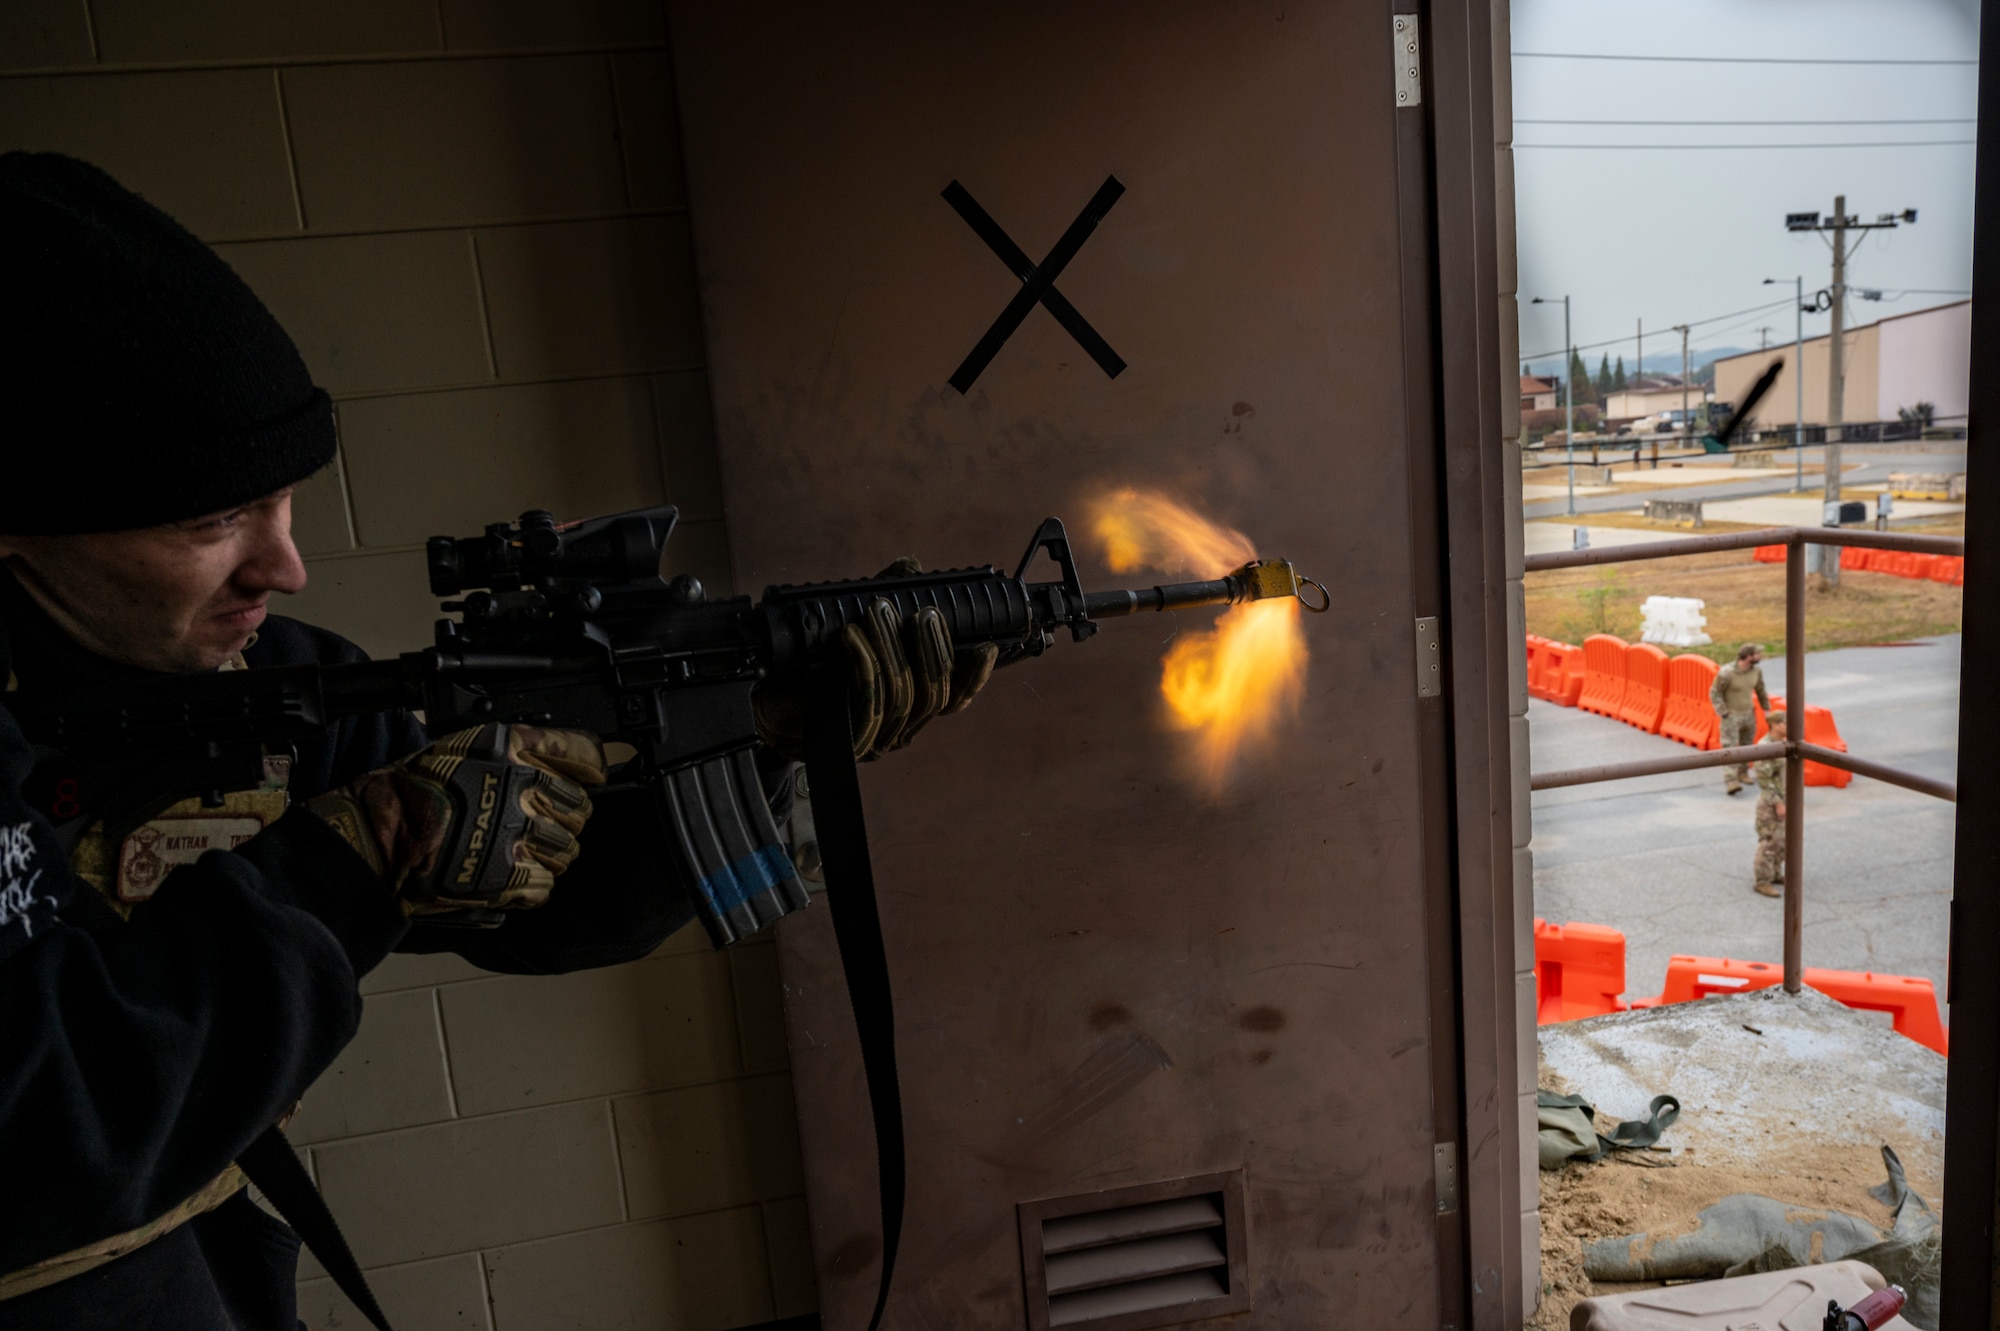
[[1104, 975]]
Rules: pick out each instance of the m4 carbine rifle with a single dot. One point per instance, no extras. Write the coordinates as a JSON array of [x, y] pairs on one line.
[[573, 626]]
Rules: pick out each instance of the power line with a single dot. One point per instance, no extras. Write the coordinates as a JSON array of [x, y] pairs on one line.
[[1724, 147], [1751, 316], [1965, 120], [1724, 59], [1692, 323]]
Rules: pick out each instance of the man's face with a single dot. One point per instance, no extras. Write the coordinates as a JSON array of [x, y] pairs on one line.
[[1752, 660], [185, 596]]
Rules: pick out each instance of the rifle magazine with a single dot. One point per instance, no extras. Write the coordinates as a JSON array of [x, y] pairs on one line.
[[743, 876]]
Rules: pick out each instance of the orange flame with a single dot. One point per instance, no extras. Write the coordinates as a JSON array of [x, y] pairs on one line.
[[1230, 685]]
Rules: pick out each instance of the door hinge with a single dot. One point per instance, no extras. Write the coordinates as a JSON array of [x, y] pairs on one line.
[[1430, 658], [1444, 1157], [1409, 61]]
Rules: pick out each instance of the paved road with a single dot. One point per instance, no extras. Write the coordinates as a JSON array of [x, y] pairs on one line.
[[1873, 467], [1667, 858]]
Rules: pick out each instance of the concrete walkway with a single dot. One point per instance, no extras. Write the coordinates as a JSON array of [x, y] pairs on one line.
[[1666, 859]]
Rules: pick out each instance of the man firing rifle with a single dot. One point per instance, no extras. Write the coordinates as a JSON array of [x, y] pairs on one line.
[[170, 991]]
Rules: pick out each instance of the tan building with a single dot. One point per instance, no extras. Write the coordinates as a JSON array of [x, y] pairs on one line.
[[1651, 399], [1893, 363], [1540, 393]]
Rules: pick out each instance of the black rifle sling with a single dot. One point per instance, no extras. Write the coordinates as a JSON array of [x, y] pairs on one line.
[[270, 1163], [857, 927]]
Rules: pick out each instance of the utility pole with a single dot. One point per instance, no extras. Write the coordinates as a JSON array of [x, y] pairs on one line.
[[1798, 380], [1687, 421], [1836, 375], [1838, 226], [1799, 383], [1569, 399], [1764, 338], [1638, 375]]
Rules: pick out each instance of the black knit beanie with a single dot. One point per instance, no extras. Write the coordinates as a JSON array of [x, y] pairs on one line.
[[141, 381]]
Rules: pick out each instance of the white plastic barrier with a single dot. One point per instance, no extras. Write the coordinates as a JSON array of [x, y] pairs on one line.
[[1673, 621]]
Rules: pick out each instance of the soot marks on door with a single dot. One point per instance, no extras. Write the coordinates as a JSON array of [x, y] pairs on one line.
[[1038, 282]]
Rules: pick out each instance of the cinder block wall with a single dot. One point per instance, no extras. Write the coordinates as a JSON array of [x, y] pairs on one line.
[[470, 214], [1517, 636]]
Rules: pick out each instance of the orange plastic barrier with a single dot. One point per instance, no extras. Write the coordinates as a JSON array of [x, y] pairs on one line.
[[1770, 554], [1579, 971], [1688, 717], [1541, 661], [1854, 557], [1689, 978], [1603, 675], [1645, 687], [1949, 569], [1910, 1001], [1820, 730], [1564, 680]]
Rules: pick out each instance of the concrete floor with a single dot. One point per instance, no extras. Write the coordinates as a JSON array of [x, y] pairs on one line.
[[1666, 859]]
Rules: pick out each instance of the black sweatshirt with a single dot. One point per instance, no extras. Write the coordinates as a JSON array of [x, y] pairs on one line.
[[138, 1060]]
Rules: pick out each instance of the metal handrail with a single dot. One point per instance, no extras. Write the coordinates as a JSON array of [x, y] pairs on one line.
[[1795, 749]]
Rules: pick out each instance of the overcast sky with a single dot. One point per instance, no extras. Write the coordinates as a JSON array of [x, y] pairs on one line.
[[1676, 235]]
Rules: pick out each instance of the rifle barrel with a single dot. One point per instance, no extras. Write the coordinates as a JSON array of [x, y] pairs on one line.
[[1172, 596], [1256, 581]]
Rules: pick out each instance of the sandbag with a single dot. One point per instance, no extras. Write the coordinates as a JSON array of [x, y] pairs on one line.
[[1747, 1233], [1565, 1129]]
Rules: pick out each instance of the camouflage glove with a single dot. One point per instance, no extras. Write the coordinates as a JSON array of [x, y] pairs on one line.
[[900, 673], [483, 818]]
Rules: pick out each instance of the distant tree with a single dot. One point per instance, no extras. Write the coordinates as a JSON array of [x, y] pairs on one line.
[[1580, 376], [1603, 377], [1524, 370], [1618, 384], [1921, 414]]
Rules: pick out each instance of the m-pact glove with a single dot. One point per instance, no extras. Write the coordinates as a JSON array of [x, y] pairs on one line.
[[485, 817], [901, 672]]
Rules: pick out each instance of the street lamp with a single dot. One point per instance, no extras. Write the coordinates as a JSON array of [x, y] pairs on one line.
[[1798, 379], [1569, 399]]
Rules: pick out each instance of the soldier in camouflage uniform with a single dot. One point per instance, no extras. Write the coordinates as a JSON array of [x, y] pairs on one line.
[[1736, 695], [1768, 871]]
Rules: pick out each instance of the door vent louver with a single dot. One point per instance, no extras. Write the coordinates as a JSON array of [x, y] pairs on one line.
[[1154, 1255]]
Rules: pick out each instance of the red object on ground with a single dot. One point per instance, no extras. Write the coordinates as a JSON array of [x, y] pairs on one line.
[[1872, 1312], [1603, 675], [1770, 554], [1910, 1001], [1579, 971], [1820, 730], [1854, 557], [1688, 717], [1645, 687]]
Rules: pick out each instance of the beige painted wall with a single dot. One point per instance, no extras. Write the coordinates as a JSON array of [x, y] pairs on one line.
[[471, 217], [1859, 395]]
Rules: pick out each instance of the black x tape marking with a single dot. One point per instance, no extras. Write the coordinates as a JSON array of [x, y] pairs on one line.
[[1037, 282]]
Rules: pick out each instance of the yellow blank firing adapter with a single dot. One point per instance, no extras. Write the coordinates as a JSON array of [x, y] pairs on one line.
[[1263, 579]]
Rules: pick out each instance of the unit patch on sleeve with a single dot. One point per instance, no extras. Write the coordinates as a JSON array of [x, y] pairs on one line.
[[24, 905]]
